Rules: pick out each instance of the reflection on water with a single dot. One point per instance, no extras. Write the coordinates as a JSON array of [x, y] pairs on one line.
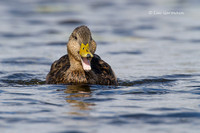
[[76, 94]]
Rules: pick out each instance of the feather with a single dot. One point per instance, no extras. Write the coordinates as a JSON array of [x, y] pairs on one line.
[[101, 73]]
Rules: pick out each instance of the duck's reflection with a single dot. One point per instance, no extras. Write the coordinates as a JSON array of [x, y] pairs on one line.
[[77, 93]]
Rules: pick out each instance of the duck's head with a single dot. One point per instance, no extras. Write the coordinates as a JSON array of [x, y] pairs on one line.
[[81, 47]]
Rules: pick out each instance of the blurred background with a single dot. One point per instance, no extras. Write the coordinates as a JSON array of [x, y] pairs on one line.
[[153, 47]]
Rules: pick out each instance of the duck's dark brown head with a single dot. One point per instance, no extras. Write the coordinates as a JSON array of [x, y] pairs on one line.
[[81, 46]]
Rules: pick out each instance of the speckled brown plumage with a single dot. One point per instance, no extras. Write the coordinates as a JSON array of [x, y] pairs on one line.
[[68, 69], [101, 73]]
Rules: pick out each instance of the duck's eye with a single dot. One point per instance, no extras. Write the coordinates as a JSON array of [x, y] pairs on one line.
[[75, 37]]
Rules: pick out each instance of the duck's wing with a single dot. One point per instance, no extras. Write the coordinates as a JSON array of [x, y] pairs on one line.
[[103, 70], [57, 70]]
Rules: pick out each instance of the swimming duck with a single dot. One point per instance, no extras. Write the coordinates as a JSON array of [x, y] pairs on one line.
[[81, 65]]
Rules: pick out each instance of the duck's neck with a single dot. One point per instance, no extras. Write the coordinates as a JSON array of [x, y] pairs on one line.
[[75, 74], [74, 64]]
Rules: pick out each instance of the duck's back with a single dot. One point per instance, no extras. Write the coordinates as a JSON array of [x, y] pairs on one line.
[[58, 68], [103, 72]]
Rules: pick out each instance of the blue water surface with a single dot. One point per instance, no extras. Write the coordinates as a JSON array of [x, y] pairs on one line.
[[153, 51]]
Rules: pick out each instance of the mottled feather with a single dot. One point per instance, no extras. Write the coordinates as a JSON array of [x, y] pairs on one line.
[[101, 73]]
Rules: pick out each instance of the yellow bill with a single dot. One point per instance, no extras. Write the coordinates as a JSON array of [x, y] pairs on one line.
[[85, 51], [86, 56]]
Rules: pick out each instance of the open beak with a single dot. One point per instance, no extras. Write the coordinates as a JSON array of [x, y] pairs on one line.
[[85, 55]]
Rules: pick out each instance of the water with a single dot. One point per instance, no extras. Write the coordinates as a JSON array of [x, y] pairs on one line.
[[155, 57]]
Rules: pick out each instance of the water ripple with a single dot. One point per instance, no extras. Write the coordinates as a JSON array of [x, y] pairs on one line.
[[98, 99], [148, 91], [20, 94], [145, 27], [71, 22], [172, 115], [71, 131], [179, 76], [195, 91], [26, 61], [12, 35], [23, 112], [164, 109], [57, 43], [136, 52], [194, 40], [13, 103], [31, 101], [18, 76], [22, 82], [145, 81], [194, 28], [36, 22]]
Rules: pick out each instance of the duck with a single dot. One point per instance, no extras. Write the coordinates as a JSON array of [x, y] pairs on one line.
[[81, 65]]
